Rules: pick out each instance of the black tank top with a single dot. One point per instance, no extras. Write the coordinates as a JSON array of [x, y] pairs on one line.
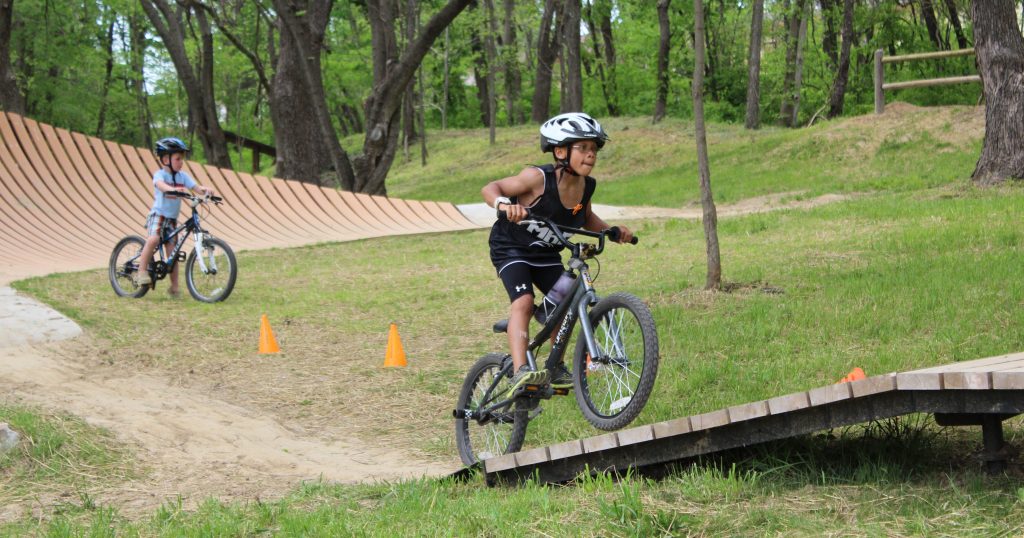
[[535, 243]]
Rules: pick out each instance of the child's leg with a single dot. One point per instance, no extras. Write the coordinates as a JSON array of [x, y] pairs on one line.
[[169, 248], [518, 329], [147, 253]]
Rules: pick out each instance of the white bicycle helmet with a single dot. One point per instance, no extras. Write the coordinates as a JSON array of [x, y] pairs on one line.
[[570, 127]]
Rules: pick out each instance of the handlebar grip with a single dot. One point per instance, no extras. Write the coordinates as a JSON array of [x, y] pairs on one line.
[[614, 232]]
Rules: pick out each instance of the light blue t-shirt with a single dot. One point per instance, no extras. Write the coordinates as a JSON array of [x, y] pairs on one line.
[[169, 206]]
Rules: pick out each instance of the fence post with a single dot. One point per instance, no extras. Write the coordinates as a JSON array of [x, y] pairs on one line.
[[879, 74]]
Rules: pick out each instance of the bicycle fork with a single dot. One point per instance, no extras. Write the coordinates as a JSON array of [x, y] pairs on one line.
[[201, 255]]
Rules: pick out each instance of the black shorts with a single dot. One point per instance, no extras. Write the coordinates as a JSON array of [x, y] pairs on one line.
[[519, 278]]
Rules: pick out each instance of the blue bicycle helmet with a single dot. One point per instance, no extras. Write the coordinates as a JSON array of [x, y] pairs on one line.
[[170, 145]]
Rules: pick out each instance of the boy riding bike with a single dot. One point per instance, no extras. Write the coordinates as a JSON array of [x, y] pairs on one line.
[[527, 256], [163, 216]]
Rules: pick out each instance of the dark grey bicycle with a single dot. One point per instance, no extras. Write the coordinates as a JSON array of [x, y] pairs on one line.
[[614, 365], [210, 269]]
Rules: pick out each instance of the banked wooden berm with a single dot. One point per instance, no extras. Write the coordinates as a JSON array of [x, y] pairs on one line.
[[66, 199]]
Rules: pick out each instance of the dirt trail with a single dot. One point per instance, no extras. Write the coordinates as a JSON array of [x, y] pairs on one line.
[[193, 444]]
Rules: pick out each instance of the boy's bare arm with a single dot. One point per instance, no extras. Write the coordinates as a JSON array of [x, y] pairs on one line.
[[527, 185], [595, 223]]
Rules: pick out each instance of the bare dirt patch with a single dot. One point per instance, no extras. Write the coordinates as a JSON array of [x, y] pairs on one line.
[[189, 443]]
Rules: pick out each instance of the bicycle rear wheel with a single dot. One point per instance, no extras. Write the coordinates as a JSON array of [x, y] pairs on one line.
[[482, 434], [124, 266], [213, 279], [613, 388]]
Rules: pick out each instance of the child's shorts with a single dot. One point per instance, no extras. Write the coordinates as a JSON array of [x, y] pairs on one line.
[[159, 225]]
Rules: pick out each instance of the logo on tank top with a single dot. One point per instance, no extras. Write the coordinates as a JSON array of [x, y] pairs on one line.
[[544, 234]]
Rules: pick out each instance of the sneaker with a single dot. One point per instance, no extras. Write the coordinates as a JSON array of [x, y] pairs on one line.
[[143, 280], [560, 376], [527, 376]]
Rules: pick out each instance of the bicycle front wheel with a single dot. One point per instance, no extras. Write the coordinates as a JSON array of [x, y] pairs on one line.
[[124, 267], [211, 278], [482, 433], [612, 388]]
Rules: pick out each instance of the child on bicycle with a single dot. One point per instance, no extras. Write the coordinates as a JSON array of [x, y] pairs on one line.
[[163, 216], [522, 255]]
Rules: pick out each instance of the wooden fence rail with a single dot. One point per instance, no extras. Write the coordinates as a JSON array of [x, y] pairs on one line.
[[881, 85]]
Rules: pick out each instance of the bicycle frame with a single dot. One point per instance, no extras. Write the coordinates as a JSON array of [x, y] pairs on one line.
[[190, 226]]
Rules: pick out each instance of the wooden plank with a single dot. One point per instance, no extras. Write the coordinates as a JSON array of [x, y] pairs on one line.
[[927, 55], [1008, 380], [873, 385], [740, 413], [960, 366], [967, 380], [500, 463], [671, 428], [713, 419], [636, 435], [601, 442], [930, 82], [919, 381], [567, 449], [532, 456], [829, 393], [789, 402]]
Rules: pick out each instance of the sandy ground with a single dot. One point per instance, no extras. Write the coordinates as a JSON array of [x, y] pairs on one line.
[[189, 443]]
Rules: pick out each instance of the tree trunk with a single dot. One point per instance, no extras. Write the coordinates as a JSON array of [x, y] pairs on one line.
[[547, 51], [492, 66], [605, 20], [137, 33], [108, 72], [928, 13], [843, 71], [829, 39], [513, 77], [954, 19], [1000, 56], [572, 86], [794, 17], [483, 89], [664, 44], [11, 99], [447, 76], [710, 217], [382, 104], [798, 75], [202, 109], [753, 117], [409, 101], [307, 145]]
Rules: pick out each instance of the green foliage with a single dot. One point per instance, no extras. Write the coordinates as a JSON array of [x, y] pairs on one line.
[[59, 53]]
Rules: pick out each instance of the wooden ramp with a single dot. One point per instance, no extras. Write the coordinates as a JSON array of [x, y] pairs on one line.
[[982, 392], [66, 199]]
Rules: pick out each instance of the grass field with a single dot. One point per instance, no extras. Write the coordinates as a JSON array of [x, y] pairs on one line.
[[914, 268]]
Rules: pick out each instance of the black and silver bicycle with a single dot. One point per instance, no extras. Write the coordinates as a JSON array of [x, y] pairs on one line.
[[614, 364], [210, 269]]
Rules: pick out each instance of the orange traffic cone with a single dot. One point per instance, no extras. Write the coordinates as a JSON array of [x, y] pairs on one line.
[[394, 357], [268, 344], [855, 375]]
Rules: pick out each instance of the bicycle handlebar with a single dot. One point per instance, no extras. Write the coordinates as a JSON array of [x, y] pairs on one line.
[[194, 198], [614, 232]]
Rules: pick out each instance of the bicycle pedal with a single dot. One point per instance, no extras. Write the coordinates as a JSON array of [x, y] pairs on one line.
[[561, 391]]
